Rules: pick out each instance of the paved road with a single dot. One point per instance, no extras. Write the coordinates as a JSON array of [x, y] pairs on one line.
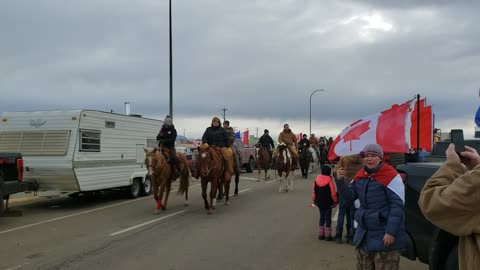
[[261, 229]]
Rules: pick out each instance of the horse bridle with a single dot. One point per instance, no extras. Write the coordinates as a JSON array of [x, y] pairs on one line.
[[210, 168], [154, 166]]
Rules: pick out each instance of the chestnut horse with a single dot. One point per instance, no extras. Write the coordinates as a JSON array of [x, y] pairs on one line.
[[284, 166], [161, 172], [212, 170], [263, 159]]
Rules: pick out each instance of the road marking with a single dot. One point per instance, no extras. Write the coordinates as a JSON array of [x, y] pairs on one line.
[[146, 223], [249, 178], [18, 266], [247, 189], [72, 215]]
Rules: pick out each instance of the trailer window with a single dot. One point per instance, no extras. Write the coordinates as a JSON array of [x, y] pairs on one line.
[[89, 140]]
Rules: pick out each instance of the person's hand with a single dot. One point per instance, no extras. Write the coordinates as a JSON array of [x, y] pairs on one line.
[[452, 154], [470, 157], [388, 240], [341, 172]]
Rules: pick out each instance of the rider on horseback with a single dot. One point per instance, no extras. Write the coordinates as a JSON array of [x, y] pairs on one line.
[[166, 139], [267, 142], [231, 142], [288, 137], [305, 142], [215, 135]]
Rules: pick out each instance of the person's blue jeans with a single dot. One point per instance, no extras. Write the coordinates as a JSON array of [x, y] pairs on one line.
[[344, 213]]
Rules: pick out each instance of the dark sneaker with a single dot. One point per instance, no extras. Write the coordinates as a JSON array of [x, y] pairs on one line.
[[328, 238], [321, 237], [339, 240]]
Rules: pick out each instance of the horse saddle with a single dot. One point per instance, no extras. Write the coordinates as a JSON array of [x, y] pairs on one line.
[[218, 151]]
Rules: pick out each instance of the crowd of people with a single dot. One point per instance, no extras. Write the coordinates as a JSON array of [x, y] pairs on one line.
[[370, 195]]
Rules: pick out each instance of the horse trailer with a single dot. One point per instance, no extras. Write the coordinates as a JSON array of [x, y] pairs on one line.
[[75, 151]]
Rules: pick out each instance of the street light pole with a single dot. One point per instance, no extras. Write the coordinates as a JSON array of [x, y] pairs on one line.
[[170, 52], [319, 90]]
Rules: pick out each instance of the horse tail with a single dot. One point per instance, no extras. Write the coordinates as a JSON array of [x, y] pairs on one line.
[[184, 177]]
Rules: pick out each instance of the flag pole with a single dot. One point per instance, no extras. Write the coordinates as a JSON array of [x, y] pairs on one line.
[[418, 126]]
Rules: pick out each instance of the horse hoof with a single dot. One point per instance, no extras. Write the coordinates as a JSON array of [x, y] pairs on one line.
[[209, 212], [185, 204], [164, 207], [227, 203], [214, 207]]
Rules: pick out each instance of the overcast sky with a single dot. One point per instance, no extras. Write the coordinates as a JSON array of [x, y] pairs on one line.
[[260, 59]]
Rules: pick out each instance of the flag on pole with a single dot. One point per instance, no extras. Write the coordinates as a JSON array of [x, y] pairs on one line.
[[390, 129], [245, 137], [426, 128], [237, 135]]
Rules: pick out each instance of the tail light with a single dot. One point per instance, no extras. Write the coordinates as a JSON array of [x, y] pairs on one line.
[[20, 169]]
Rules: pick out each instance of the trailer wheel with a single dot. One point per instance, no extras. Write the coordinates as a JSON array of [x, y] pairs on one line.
[[2, 204], [135, 188], [147, 186], [2, 201], [250, 165]]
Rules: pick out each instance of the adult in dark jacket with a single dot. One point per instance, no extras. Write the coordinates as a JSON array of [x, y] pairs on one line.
[[215, 135], [267, 142], [231, 141], [380, 234], [304, 141], [166, 138]]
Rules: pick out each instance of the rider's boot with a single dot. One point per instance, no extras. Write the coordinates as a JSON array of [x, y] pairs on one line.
[[177, 169]]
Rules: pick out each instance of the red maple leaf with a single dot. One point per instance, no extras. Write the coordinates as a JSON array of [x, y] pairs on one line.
[[356, 132]]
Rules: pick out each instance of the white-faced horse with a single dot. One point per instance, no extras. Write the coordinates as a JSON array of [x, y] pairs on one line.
[[285, 168]]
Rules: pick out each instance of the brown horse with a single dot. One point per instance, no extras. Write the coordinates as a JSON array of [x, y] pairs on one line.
[[284, 166], [212, 170], [161, 172], [304, 159], [263, 159]]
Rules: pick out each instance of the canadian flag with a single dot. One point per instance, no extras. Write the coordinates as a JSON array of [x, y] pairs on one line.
[[392, 129]]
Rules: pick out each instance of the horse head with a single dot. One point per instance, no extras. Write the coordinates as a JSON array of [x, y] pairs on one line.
[[152, 158], [206, 160]]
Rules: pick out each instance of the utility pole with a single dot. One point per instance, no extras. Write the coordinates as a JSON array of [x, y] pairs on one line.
[[224, 110]]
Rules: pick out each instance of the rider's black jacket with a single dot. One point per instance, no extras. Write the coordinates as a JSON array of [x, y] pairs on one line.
[[167, 136], [266, 141], [215, 136], [304, 141]]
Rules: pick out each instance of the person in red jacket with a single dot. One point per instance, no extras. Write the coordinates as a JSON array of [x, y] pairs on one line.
[[325, 198]]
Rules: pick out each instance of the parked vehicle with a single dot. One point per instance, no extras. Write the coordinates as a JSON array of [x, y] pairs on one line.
[[189, 154], [428, 243], [75, 151], [11, 176], [247, 155]]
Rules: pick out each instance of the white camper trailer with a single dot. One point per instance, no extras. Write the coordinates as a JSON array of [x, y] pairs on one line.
[[69, 152]]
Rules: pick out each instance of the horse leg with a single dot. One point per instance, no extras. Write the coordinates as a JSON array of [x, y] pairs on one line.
[[281, 189], [186, 197], [259, 172], [213, 194], [226, 183], [237, 180], [204, 194], [160, 198], [220, 190], [167, 194]]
